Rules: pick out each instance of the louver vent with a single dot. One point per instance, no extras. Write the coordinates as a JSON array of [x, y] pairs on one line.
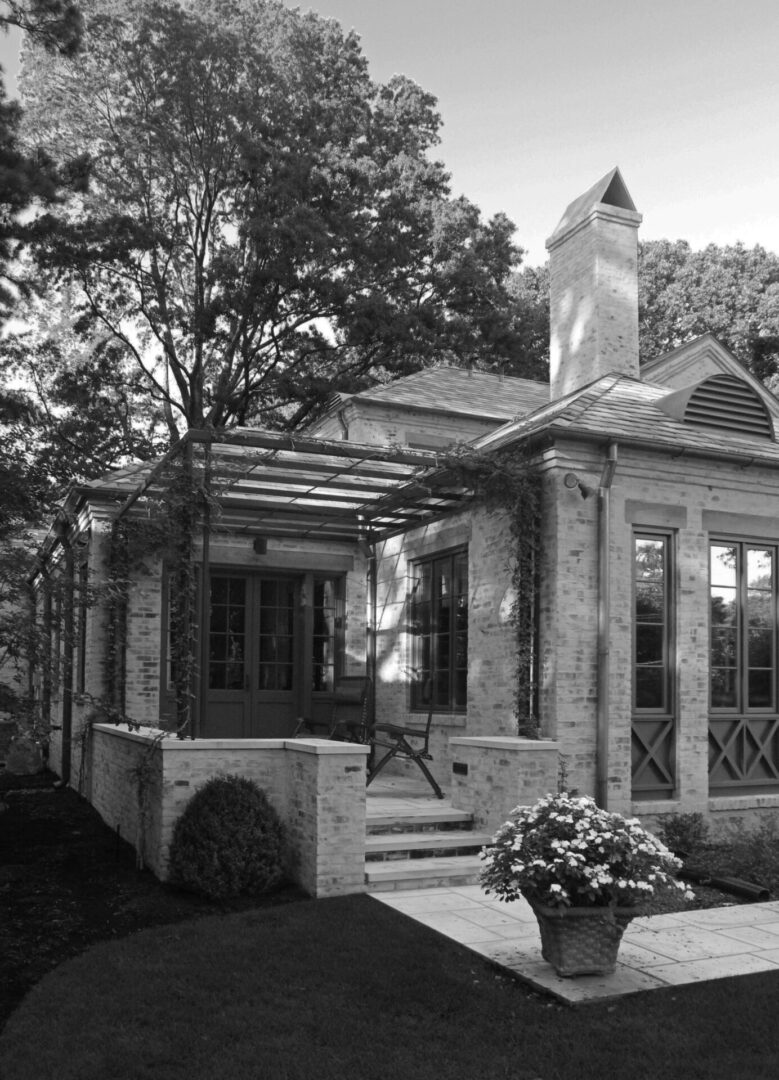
[[724, 401]]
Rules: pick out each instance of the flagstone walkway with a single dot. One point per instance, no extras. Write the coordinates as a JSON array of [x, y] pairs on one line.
[[662, 950]]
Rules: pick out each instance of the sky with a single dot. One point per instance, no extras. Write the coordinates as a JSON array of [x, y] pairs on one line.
[[540, 98]]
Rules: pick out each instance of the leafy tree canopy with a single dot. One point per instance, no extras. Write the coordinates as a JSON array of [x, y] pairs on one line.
[[29, 176], [264, 224], [731, 291]]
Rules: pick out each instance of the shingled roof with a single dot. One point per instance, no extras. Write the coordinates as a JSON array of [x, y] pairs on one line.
[[454, 390], [617, 407]]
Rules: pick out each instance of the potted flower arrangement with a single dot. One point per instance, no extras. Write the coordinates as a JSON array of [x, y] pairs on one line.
[[585, 872]]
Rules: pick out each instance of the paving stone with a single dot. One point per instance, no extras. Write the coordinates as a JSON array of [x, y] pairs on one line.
[[657, 951]]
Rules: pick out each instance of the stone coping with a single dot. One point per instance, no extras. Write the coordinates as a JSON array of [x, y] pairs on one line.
[[743, 801], [503, 742], [320, 747]]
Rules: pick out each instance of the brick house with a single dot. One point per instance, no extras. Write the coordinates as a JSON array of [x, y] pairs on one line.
[[353, 548]]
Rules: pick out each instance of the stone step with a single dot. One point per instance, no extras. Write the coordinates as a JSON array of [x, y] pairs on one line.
[[429, 873], [415, 845], [422, 821]]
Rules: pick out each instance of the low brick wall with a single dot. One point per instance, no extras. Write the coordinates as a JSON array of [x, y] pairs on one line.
[[316, 787], [493, 774]]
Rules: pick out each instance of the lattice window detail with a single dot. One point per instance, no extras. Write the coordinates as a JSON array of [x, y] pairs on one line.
[[743, 752], [652, 757]]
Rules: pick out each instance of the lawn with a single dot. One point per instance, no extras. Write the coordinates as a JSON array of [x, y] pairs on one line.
[[292, 989], [348, 988]]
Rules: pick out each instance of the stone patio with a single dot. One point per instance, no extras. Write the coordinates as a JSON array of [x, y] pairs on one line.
[[659, 951]]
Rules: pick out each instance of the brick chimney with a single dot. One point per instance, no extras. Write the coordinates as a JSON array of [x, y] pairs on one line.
[[593, 269]]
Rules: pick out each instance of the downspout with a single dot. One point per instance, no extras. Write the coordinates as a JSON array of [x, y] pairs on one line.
[[369, 548], [604, 611], [204, 616], [373, 578]]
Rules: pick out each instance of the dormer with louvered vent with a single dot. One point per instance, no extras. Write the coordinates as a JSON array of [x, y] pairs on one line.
[[721, 401]]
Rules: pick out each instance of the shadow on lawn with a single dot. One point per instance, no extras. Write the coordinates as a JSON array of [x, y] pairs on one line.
[[67, 881]]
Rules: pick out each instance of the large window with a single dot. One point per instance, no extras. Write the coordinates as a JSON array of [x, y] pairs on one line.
[[743, 725], [743, 627], [439, 617], [653, 667]]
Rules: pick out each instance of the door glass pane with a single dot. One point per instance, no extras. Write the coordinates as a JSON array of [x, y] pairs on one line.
[[276, 634], [227, 633], [324, 643]]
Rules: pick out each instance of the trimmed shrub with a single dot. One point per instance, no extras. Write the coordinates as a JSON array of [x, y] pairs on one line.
[[684, 834], [228, 841]]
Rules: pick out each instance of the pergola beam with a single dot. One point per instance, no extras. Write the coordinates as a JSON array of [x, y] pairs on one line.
[[307, 444], [302, 486]]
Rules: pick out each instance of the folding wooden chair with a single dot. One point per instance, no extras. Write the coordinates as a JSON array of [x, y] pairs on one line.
[[407, 744]]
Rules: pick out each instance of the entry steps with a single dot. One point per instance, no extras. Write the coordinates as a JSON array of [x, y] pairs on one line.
[[422, 849]]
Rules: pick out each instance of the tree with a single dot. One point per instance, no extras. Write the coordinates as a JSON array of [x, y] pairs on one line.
[[264, 224], [731, 291], [529, 292], [29, 176]]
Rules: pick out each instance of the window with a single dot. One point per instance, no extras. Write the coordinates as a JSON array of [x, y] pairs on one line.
[[652, 675], [653, 725], [743, 627], [439, 620], [743, 725]]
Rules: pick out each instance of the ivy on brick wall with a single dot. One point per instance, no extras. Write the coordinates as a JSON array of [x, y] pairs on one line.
[[509, 482], [184, 504]]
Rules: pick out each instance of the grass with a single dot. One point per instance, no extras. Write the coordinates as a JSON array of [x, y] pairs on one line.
[[347, 988]]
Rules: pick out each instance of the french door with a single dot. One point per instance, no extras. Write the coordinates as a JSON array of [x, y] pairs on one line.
[[273, 652]]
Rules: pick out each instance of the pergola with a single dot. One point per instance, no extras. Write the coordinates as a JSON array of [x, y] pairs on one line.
[[267, 484], [299, 487]]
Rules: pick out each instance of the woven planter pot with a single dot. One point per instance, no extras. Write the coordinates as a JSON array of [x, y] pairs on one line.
[[582, 941]]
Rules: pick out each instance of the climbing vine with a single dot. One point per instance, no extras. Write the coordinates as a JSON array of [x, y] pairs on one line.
[[510, 483], [183, 501]]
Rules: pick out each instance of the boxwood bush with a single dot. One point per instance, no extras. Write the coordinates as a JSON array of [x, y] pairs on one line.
[[228, 841]]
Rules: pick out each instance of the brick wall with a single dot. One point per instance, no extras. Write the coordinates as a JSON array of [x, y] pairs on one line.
[[316, 787], [691, 500], [491, 776], [491, 662]]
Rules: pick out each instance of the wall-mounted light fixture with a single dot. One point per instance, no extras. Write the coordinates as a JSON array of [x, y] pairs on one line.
[[571, 481]]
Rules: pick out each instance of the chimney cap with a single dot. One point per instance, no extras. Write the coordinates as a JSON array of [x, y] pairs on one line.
[[610, 190]]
